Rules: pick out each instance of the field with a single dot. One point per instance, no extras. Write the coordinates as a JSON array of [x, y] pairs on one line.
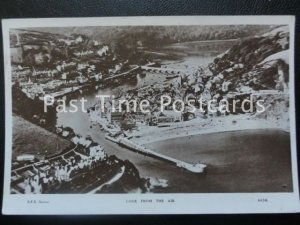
[[32, 139]]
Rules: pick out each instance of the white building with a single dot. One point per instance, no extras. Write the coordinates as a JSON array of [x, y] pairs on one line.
[[97, 151]]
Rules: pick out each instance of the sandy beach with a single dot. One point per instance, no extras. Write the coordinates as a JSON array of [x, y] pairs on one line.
[[148, 134]]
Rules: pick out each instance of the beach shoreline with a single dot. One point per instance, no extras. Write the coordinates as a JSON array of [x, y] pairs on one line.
[[196, 127]]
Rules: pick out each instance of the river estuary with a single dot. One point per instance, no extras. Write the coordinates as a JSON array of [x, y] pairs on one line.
[[247, 161]]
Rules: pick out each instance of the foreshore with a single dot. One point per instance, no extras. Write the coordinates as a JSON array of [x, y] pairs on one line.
[[147, 134]]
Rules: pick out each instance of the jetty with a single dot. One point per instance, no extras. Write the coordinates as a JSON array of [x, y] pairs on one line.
[[194, 168]]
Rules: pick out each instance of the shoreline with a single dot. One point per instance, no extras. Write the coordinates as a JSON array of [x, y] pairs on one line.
[[218, 125], [115, 178], [207, 41]]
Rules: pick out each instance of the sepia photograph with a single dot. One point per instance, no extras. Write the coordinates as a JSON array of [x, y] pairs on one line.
[[152, 108]]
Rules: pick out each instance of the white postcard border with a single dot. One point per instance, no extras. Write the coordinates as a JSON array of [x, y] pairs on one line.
[[200, 203]]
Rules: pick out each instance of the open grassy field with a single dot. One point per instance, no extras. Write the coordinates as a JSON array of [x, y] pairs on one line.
[[32, 139]]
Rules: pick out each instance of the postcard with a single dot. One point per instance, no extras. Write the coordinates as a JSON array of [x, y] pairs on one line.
[[150, 115]]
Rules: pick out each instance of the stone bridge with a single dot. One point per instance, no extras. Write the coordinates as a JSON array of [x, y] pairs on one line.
[[163, 70]]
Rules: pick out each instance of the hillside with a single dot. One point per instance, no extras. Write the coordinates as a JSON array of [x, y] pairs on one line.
[[160, 34], [261, 65], [31, 139]]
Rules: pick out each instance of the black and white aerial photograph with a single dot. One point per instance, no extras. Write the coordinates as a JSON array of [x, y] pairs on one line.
[[150, 109]]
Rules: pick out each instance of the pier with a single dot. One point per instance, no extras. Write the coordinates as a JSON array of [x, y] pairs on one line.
[[194, 168]]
